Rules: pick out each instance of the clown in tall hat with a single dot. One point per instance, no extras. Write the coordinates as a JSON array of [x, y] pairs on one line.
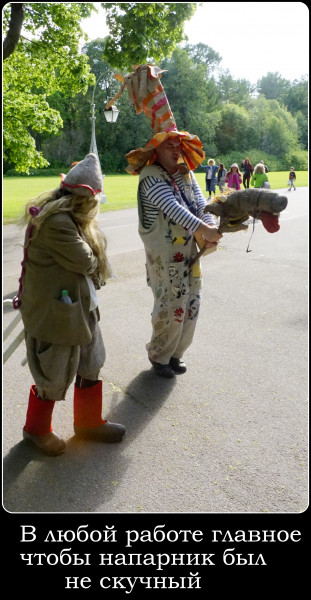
[[171, 212], [64, 251]]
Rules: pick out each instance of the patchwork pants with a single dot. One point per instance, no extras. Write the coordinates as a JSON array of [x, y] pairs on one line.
[[176, 288]]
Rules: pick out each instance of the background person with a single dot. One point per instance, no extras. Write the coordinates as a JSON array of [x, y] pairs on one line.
[[210, 176], [265, 166], [234, 177], [221, 175], [259, 176], [291, 179], [247, 172]]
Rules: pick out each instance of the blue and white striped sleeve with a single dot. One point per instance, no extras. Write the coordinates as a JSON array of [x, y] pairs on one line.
[[160, 195], [207, 217]]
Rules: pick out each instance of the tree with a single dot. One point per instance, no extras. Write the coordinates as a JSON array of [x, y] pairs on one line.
[[193, 96], [272, 127], [273, 86], [296, 97], [302, 123], [143, 31], [232, 131], [113, 141], [235, 91], [14, 29], [202, 54], [36, 66]]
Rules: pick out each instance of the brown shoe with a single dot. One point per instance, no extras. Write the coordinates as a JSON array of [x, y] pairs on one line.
[[107, 432], [50, 444]]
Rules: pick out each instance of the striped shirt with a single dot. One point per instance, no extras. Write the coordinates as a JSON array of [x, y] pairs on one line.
[[156, 195]]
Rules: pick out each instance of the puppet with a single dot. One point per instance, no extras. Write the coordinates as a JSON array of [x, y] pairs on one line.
[[235, 208]]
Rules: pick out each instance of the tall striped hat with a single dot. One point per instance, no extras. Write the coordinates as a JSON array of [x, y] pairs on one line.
[[146, 92]]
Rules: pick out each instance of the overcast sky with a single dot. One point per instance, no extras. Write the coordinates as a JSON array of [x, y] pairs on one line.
[[252, 38]]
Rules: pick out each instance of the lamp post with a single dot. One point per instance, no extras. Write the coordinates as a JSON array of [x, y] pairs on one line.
[[111, 115]]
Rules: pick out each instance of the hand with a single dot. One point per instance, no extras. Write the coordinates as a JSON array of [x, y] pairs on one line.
[[210, 233]]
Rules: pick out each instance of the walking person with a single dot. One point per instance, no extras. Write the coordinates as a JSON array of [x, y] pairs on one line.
[[234, 177], [64, 251], [210, 176], [292, 179], [247, 172], [221, 176]]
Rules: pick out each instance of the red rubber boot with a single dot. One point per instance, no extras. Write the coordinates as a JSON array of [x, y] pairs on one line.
[[38, 427], [87, 417]]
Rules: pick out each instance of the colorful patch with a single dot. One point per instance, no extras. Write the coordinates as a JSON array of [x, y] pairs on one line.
[[194, 307], [179, 312]]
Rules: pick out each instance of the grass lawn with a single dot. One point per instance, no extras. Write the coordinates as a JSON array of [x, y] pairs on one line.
[[120, 190]]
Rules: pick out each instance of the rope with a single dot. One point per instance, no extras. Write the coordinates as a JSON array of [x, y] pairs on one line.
[[247, 249]]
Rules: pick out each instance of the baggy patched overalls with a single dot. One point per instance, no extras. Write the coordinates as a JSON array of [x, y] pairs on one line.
[[169, 250]]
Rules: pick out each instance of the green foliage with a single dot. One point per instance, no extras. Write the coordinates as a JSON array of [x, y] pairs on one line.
[[302, 123], [201, 54], [47, 62], [141, 31], [273, 86], [235, 91], [232, 130], [296, 97], [297, 159], [46, 172], [48, 87], [193, 111]]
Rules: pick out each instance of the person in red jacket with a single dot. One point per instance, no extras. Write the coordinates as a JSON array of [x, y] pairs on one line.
[[247, 169]]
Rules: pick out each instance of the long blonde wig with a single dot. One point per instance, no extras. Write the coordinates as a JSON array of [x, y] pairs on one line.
[[84, 210]]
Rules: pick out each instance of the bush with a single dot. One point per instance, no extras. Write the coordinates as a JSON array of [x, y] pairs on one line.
[[274, 163], [298, 160], [39, 172]]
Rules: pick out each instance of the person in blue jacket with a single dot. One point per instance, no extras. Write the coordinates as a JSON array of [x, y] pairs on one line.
[[210, 177]]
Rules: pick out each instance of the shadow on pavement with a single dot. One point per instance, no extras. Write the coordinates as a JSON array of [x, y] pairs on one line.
[[86, 476], [143, 397]]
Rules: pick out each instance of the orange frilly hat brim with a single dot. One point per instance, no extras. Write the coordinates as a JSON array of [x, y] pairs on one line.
[[191, 148]]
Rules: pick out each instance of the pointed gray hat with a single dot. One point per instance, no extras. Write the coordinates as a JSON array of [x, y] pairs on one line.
[[85, 178]]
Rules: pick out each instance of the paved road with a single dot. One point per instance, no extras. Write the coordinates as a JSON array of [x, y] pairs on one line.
[[228, 436]]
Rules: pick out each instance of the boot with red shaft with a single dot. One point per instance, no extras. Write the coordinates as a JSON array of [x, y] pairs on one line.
[[87, 411], [38, 427]]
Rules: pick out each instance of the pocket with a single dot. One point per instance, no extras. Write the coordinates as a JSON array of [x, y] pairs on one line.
[[63, 309], [67, 321], [42, 347], [178, 274]]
